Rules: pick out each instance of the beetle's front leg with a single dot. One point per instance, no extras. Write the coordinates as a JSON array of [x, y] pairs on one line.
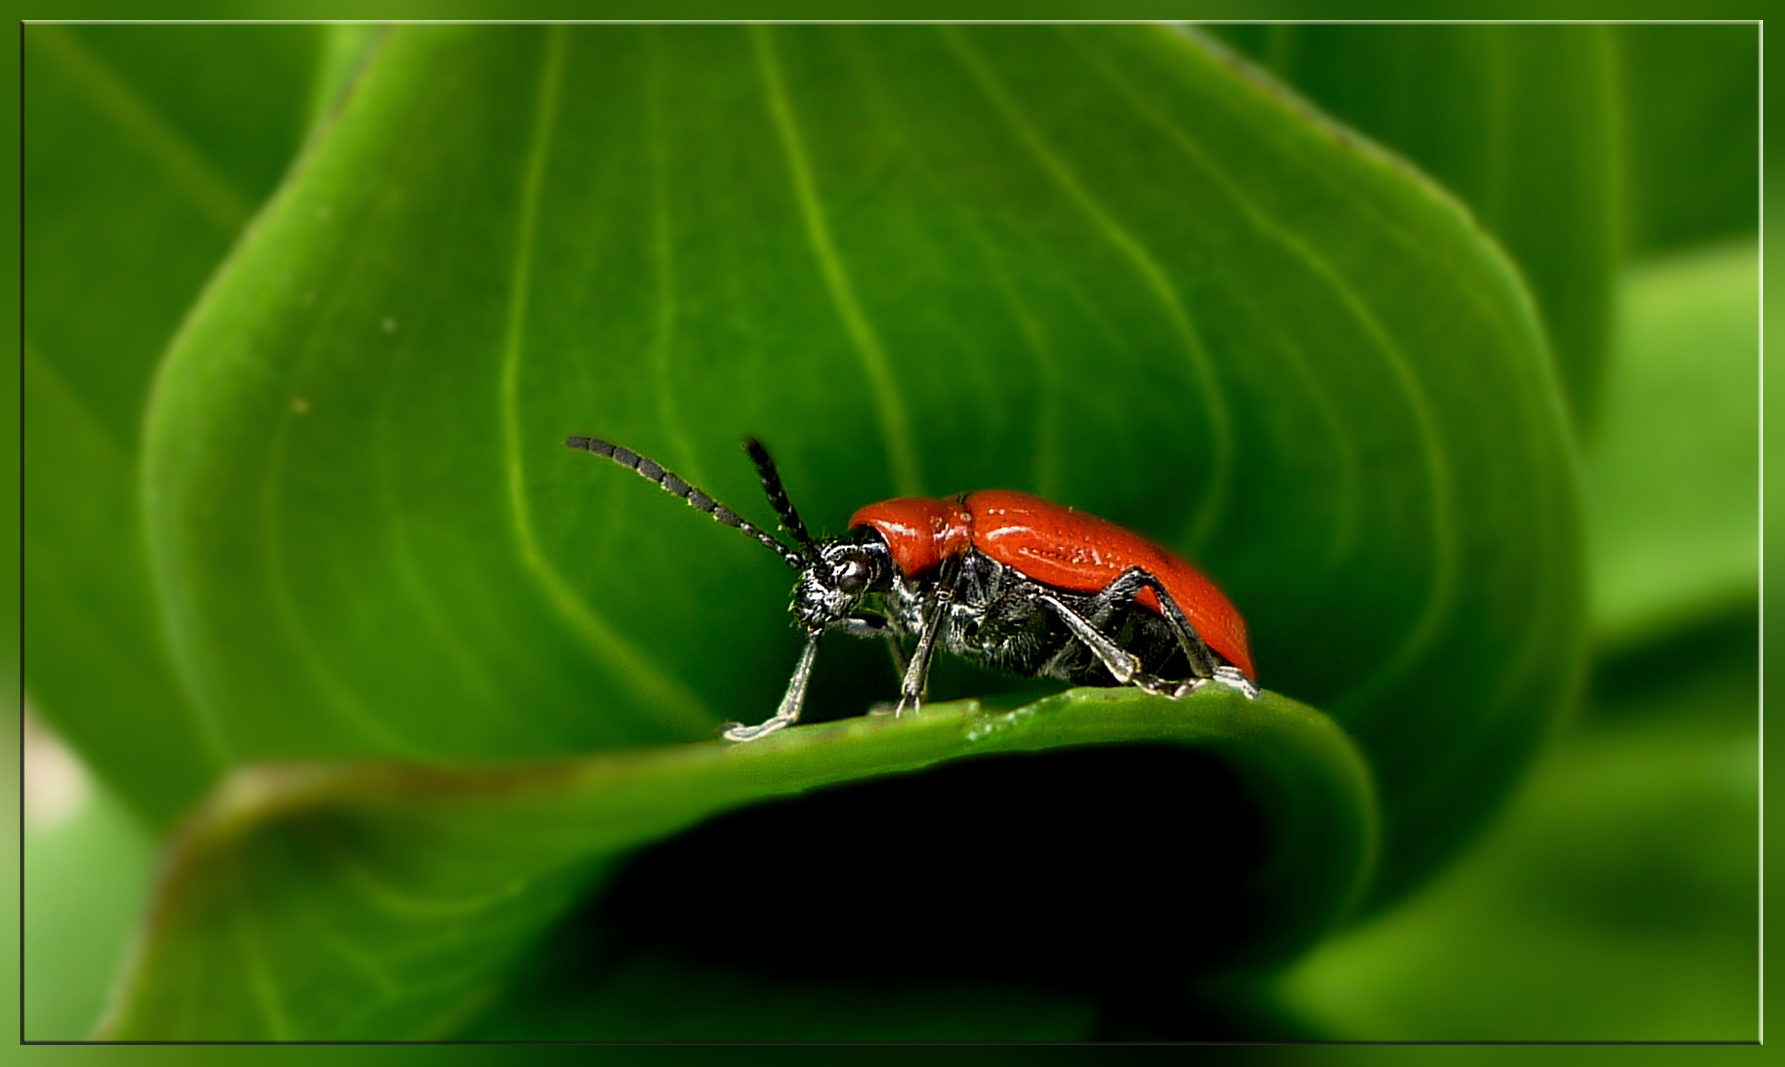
[[789, 711]]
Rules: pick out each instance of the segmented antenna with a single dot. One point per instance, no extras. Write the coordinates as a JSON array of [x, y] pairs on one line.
[[771, 487], [675, 486]]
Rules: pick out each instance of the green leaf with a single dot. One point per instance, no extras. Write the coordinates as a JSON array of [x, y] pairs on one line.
[[662, 997], [346, 49], [1096, 262], [1521, 122], [1673, 485], [332, 902], [87, 876], [1165, 297], [1692, 121], [1617, 901], [148, 149]]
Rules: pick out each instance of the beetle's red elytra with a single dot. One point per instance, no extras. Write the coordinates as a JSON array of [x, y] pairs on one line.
[[1055, 546], [997, 577]]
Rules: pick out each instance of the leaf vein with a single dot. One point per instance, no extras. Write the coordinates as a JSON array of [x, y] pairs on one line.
[[43, 374], [663, 260], [1045, 474], [260, 977], [674, 702], [186, 168], [888, 401], [1441, 592], [1220, 419], [346, 706]]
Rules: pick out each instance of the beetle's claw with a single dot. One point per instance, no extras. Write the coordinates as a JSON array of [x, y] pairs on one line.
[[737, 731], [1224, 675], [1155, 685], [883, 708]]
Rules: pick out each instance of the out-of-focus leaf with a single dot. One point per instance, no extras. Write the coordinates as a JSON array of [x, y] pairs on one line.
[[1519, 121], [86, 881], [1692, 132], [147, 149], [660, 997], [1164, 297], [331, 902], [12, 876], [1674, 482], [346, 48], [1618, 901]]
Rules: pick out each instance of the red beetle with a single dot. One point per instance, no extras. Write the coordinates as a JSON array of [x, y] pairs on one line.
[[997, 577]]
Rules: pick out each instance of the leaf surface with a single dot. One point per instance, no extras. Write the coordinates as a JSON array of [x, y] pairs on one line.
[[1520, 121], [148, 148], [1104, 264], [1165, 297], [1617, 901], [1674, 482], [86, 878], [353, 902], [1692, 120]]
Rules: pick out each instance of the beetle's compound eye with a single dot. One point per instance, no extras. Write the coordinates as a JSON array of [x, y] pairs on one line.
[[851, 575]]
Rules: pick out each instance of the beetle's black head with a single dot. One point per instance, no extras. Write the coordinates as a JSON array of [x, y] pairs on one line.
[[835, 574], [841, 571]]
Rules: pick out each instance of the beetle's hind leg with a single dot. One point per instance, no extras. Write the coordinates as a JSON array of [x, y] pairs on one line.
[[1122, 664], [1121, 593], [1226, 675], [1087, 624]]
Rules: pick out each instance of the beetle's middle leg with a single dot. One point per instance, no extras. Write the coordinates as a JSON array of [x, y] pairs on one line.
[[917, 672], [873, 624]]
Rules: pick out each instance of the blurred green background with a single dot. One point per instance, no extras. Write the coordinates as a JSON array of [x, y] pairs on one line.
[[291, 494]]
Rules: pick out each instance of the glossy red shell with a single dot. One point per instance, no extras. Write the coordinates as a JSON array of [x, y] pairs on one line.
[[921, 532], [1055, 546]]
